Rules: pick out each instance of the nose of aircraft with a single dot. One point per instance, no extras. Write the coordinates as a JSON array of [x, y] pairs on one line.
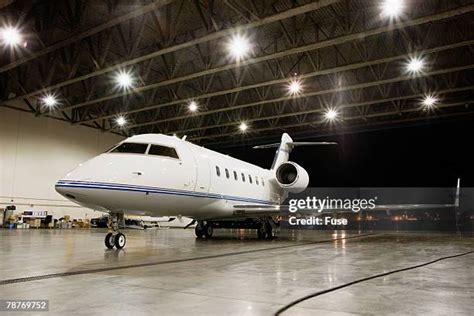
[[98, 170], [76, 184], [69, 185], [62, 189]]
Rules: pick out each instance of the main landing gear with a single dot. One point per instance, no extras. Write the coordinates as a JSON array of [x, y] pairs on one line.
[[265, 230], [264, 226], [115, 238], [204, 229]]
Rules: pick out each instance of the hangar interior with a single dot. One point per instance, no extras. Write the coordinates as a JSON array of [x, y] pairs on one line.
[[79, 76]]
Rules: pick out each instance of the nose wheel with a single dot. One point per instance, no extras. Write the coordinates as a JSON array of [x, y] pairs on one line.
[[115, 238]]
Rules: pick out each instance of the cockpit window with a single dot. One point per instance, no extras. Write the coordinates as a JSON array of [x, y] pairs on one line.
[[131, 148], [159, 150]]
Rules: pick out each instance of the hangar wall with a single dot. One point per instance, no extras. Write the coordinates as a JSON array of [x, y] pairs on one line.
[[35, 153]]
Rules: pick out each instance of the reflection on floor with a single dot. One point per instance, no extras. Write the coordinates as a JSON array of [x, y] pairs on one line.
[[236, 274]]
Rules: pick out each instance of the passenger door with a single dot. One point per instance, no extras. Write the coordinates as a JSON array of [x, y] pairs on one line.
[[202, 169]]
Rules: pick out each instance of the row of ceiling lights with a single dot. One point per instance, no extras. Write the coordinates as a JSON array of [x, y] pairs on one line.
[[238, 47]]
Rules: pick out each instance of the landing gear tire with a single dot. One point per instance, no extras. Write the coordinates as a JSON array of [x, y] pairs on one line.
[[265, 231], [208, 230], [204, 230], [120, 240], [268, 231], [114, 238], [109, 240], [198, 231]]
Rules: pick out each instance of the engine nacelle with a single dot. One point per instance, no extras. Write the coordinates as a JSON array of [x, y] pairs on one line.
[[292, 177]]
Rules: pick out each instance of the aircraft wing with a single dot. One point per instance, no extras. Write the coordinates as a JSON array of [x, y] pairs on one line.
[[269, 210], [256, 210]]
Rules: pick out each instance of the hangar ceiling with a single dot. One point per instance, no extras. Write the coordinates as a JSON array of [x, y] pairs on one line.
[[349, 58]]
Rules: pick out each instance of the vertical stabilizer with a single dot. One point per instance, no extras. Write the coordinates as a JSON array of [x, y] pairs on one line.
[[283, 152]]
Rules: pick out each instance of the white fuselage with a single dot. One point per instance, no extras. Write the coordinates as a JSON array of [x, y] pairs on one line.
[[156, 185]]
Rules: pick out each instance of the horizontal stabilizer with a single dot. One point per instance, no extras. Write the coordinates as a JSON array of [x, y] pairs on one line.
[[293, 144]]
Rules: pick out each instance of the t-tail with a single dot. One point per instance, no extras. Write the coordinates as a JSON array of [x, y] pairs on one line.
[[285, 147]]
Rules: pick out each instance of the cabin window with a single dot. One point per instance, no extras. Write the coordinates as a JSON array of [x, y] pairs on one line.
[[235, 176], [250, 179], [263, 182], [243, 177], [256, 180], [218, 171], [158, 150], [227, 173], [130, 148]]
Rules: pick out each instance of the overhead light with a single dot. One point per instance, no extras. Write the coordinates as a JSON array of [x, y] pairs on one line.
[[415, 65], [331, 114], [294, 87], [124, 79], [120, 121], [10, 36], [239, 47], [243, 127], [193, 106], [49, 100], [429, 101], [392, 8]]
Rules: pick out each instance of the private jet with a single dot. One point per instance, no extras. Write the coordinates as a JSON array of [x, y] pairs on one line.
[[160, 175]]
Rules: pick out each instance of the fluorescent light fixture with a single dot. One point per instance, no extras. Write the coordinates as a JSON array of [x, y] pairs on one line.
[[294, 87], [120, 121], [243, 127], [193, 106], [392, 8], [10, 36], [124, 79], [239, 47], [49, 100], [415, 65], [331, 114], [429, 101]]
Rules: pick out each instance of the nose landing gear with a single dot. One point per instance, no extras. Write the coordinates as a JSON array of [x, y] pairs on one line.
[[114, 237]]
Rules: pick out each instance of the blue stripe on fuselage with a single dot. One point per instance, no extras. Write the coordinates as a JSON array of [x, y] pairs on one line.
[[137, 188]]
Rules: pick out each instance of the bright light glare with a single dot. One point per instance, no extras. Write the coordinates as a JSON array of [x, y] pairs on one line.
[[193, 106], [121, 121], [49, 100], [429, 101], [331, 114], [294, 87], [10, 36], [392, 8], [124, 80], [243, 127], [239, 47], [415, 65]]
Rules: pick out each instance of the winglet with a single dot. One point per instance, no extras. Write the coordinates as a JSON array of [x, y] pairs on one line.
[[458, 193]]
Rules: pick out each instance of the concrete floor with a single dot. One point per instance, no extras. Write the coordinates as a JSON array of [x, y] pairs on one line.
[[236, 274]]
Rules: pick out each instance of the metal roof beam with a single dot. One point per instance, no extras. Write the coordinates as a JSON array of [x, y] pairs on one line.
[[284, 80], [111, 23], [212, 36], [296, 50], [339, 107], [320, 92], [348, 118]]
